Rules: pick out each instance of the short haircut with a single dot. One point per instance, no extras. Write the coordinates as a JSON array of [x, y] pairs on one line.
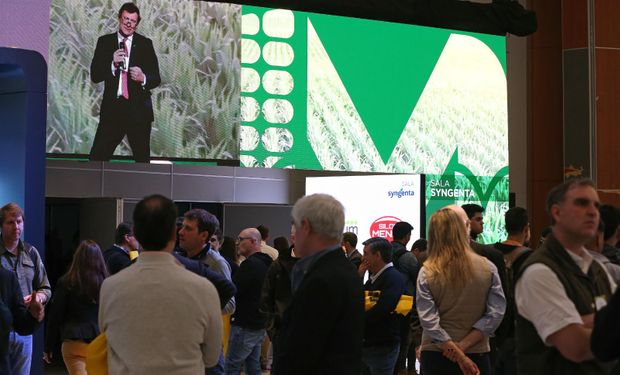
[[122, 230], [206, 220], [610, 215], [11, 209], [401, 230], [154, 222], [420, 244], [545, 232], [350, 237], [471, 209], [264, 231], [129, 8], [218, 234], [324, 213], [516, 220], [381, 245], [558, 193]]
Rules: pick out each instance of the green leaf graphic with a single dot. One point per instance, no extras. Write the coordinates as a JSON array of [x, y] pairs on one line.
[[384, 69]]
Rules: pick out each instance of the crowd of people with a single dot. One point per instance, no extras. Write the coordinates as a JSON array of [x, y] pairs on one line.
[[193, 301]]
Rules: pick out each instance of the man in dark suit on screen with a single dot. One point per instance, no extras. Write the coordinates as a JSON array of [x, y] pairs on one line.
[[127, 63]]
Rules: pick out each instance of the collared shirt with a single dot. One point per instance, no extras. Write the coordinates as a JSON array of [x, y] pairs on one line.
[[303, 265], [30, 271], [542, 299], [119, 91], [122, 248], [374, 277], [429, 311]]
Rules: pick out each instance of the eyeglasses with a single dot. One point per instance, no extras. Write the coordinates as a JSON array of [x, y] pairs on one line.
[[239, 239], [130, 21]]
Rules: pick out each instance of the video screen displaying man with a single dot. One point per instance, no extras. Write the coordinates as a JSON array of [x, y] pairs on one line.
[[179, 63], [126, 62]]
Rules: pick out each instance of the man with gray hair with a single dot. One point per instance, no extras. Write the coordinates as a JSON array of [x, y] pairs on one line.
[[322, 329]]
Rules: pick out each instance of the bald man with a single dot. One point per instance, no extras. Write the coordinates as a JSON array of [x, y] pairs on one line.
[[247, 329]]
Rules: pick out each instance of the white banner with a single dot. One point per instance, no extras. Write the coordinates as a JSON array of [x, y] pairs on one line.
[[373, 204]]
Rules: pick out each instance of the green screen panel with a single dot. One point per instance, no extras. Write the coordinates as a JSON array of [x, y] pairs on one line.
[[362, 95]]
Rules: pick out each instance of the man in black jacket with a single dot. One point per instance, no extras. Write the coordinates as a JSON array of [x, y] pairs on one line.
[[127, 63], [349, 241], [322, 329], [14, 315], [117, 256], [383, 325], [247, 325]]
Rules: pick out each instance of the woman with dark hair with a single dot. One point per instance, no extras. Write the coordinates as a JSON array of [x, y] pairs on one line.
[[74, 309], [281, 244], [228, 250]]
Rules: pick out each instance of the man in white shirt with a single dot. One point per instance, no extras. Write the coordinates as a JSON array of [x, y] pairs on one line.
[[560, 287], [159, 318]]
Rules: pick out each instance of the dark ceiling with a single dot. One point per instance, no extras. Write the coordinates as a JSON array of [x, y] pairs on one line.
[[500, 17]]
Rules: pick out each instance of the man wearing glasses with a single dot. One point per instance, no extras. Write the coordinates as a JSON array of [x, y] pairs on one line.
[[247, 329], [127, 63]]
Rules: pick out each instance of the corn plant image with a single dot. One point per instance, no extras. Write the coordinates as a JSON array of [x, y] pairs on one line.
[[196, 106]]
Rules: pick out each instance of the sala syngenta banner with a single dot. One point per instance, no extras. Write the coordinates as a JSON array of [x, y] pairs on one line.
[[337, 93]]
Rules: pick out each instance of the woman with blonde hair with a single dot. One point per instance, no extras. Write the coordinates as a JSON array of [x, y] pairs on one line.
[[75, 307], [459, 299]]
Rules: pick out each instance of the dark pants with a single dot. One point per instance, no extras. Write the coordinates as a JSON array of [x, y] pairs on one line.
[[380, 360], [123, 122], [434, 363], [405, 330], [506, 361]]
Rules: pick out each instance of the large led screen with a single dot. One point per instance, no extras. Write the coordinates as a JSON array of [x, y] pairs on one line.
[[196, 105], [336, 93], [373, 204]]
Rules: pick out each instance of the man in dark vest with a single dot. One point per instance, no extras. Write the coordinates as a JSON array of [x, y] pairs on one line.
[[560, 287]]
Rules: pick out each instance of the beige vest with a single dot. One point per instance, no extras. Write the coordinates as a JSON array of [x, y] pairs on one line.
[[460, 308]]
